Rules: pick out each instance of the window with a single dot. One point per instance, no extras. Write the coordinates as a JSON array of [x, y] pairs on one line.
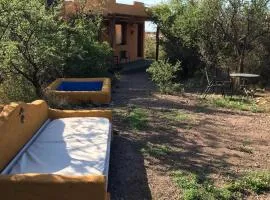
[[121, 34]]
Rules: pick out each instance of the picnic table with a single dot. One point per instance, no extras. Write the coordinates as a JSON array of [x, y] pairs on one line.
[[244, 79]]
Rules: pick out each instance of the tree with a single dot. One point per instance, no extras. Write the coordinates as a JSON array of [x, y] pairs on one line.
[[223, 33], [38, 42], [236, 32], [31, 41], [179, 25]]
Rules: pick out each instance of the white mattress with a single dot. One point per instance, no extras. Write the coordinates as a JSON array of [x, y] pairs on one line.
[[70, 146]]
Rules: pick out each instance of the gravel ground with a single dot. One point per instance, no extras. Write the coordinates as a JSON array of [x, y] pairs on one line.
[[217, 143]]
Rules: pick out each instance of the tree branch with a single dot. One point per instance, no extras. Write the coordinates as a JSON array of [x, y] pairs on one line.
[[21, 72]]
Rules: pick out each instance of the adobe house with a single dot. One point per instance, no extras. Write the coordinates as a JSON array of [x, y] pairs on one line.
[[124, 26]]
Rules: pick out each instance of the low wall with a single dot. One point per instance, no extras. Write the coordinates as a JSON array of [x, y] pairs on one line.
[[74, 97]]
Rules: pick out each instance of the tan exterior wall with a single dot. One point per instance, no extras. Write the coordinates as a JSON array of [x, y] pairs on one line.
[[132, 41], [18, 123], [54, 187], [107, 7], [131, 45], [137, 9]]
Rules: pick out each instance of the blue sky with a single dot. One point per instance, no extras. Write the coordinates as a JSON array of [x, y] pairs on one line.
[[149, 27]]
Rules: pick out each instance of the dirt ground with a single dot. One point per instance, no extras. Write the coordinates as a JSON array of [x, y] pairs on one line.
[[213, 142]]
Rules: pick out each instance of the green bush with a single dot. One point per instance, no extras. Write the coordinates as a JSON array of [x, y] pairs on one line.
[[17, 89], [195, 188], [257, 182], [156, 150], [164, 74], [137, 118], [236, 103], [150, 48], [214, 33]]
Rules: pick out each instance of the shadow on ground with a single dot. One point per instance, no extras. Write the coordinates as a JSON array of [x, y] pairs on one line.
[[205, 144], [128, 179]]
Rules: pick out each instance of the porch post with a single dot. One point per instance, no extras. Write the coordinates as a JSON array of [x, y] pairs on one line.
[[112, 32], [157, 43], [143, 38]]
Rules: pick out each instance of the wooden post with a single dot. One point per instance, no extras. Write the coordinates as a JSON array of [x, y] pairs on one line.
[[143, 38], [112, 31], [111, 26], [157, 43]]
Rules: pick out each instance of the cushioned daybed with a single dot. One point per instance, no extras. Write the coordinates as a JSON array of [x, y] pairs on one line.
[[54, 154]]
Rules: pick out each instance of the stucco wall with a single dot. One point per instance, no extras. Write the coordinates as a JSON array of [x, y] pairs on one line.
[[18, 123], [52, 187], [106, 7], [99, 97], [137, 9], [132, 41]]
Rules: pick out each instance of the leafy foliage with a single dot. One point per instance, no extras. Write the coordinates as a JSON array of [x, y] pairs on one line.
[[177, 25], [220, 33], [235, 103], [163, 74], [193, 187], [257, 182], [156, 150], [18, 89], [150, 48], [137, 118], [39, 43]]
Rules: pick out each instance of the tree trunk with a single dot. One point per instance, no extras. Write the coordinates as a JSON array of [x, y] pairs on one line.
[[38, 89], [157, 43], [241, 63], [240, 69]]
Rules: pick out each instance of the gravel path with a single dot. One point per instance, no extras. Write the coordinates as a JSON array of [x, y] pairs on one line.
[[218, 143]]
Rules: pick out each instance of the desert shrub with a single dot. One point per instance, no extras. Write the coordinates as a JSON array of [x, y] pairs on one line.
[[150, 48], [89, 57], [93, 63], [164, 74], [17, 89]]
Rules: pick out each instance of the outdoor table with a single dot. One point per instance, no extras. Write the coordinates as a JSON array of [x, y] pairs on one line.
[[244, 78]]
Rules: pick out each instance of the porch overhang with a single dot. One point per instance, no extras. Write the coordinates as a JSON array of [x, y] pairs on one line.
[[126, 18]]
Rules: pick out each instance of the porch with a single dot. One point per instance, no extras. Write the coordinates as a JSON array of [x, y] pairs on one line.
[[126, 36]]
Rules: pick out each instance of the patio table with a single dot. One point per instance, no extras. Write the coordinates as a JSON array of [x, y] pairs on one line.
[[244, 78]]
